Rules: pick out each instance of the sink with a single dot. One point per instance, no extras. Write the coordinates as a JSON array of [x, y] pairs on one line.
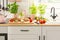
[[53, 22]]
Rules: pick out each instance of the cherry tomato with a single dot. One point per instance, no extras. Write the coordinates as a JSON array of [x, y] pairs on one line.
[[42, 21], [11, 20], [30, 20]]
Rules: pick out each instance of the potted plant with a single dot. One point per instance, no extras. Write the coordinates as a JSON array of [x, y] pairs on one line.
[[33, 10], [41, 9], [13, 8], [21, 14]]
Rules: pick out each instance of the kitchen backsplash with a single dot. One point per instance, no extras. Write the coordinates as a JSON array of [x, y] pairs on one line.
[[25, 4]]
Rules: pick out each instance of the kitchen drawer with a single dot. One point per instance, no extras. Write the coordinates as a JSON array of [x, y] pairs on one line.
[[23, 37], [24, 30]]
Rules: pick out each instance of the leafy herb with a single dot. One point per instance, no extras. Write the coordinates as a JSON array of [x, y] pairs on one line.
[[42, 8], [13, 8], [33, 9], [21, 14]]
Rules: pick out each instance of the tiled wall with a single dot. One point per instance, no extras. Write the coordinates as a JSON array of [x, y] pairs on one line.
[[24, 5], [57, 11], [50, 4]]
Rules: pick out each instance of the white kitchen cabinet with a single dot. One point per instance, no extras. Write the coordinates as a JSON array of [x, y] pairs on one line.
[[23, 37], [24, 30], [50, 33], [34, 33], [3, 33], [3, 29], [24, 33]]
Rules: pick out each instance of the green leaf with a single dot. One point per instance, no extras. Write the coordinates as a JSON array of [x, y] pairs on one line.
[[8, 6], [13, 8], [21, 14], [42, 8], [33, 9]]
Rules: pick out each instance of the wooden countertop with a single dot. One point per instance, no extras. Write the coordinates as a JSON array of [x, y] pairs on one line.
[[29, 24]]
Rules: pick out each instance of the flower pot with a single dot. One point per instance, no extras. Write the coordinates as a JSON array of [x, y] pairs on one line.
[[33, 16], [15, 15]]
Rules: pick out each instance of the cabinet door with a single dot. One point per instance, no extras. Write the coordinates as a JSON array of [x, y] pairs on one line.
[[24, 37], [51, 33], [24, 30], [24, 33], [3, 29]]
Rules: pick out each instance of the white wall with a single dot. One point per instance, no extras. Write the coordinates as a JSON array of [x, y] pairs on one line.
[[57, 11], [24, 5]]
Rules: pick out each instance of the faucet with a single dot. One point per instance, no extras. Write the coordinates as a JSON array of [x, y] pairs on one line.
[[53, 11]]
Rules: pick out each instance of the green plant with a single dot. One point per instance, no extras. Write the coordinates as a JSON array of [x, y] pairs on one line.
[[21, 14], [13, 8], [41, 9], [33, 9]]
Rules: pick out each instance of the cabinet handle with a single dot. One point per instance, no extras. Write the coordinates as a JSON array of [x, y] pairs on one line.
[[24, 30], [39, 37], [44, 37]]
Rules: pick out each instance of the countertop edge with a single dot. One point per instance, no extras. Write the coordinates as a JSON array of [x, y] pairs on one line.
[[29, 24]]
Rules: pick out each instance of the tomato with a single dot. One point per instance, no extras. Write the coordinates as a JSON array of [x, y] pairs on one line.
[[11, 20], [30, 20], [42, 21]]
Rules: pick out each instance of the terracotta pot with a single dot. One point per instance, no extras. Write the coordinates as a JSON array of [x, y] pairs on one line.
[[15, 15], [33, 16]]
